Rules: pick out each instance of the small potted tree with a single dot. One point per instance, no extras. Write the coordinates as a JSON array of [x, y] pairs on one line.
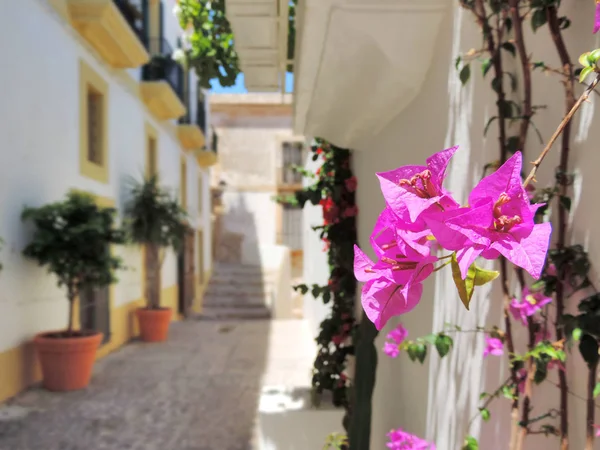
[[157, 222], [72, 238]]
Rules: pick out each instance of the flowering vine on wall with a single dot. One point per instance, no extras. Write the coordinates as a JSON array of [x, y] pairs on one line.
[[333, 189], [423, 229]]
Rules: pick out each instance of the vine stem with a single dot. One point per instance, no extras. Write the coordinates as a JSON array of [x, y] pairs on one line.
[[493, 47], [560, 129], [591, 408]]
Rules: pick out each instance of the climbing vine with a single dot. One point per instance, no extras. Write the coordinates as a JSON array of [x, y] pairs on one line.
[[333, 188], [560, 273]]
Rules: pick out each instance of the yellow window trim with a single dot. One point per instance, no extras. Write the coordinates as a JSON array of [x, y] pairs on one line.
[[89, 78], [151, 133]]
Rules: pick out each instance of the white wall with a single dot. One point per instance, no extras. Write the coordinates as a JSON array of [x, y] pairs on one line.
[[437, 400], [39, 158]]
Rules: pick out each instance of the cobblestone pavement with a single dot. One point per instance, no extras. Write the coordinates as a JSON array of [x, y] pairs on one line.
[[198, 391]]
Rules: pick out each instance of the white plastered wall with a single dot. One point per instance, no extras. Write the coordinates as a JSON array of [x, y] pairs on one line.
[[39, 158]]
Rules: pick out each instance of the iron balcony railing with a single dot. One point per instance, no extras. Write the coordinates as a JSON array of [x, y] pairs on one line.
[[199, 118], [135, 13], [163, 67]]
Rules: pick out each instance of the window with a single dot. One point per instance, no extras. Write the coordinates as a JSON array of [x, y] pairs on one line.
[[292, 156], [291, 227], [94, 130], [93, 124]]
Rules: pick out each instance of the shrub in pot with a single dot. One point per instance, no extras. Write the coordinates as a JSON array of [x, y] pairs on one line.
[[154, 220], [72, 238]]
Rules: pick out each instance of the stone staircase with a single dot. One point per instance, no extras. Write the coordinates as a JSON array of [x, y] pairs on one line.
[[238, 291]]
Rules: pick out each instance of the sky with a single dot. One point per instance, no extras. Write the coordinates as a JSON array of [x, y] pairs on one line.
[[239, 88]]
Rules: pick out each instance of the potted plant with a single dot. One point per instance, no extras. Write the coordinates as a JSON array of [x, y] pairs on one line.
[[157, 222], [72, 238]]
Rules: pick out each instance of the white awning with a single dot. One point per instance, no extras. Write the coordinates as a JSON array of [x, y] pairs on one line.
[[260, 29], [359, 63]]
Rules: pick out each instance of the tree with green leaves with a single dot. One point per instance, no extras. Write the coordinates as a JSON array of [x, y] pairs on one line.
[[72, 238], [211, 53], [155, 220]]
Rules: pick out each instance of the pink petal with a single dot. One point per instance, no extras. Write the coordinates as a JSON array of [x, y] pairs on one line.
[[506, 179], [474, 223], [597, 18], [530, 252], [447, 238], [361, 264], [438, 162], [466, 257], [382, 300]]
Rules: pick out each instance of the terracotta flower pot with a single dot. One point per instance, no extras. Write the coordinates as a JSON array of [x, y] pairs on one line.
[[154, 324], [66, 362]]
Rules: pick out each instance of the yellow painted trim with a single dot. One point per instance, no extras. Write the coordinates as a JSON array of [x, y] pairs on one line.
[[61, 8], [206, 158], [154, 18], [190, 136], [89, 79], [161, 100], [103, 26], [151, 133]]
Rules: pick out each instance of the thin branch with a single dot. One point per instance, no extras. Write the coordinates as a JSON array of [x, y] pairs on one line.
[[591, 408], [560, 129]]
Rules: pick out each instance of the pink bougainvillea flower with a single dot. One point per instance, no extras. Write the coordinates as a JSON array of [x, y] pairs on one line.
[[531, 303], [410, 190], [597, 17], [401, 440], [391, 349], [351, 184], [493, 346], [597, 427], [498, 222], [392, 285], [391, 234], [555, 363], [398, 334]]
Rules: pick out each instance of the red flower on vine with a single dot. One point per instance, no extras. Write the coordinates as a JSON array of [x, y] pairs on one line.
[[351, 184], [330, 211], [351, 211], [338, 339], [318, 171], [318, 151]]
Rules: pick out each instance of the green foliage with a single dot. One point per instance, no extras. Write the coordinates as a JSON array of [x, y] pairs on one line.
[[211, 54], [465, 74], [336, 441], [470, 444], [476, 276], [153, 216], [72, 239]]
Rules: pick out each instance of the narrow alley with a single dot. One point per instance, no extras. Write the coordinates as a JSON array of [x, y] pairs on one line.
[[204, 389]]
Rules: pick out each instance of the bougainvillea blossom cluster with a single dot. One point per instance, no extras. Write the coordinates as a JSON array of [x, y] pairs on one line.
[[421, 216], [401, 440]]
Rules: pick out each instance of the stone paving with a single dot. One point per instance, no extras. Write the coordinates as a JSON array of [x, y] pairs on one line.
[[198, 391]]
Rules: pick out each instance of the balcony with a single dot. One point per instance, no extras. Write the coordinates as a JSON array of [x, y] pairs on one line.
[[162, 82], [192, 125], [206, 158], [114, 28]]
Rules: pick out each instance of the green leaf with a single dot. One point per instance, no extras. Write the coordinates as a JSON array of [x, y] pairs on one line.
[[508, 392], [302, 288], [475, 277], [538, 19], [565, 202], [457, 62], [485, 414], [486, 64], [465, 287], [512, 144], [594, 56], [584, 73], [576, 334], [483, 395], [588, 347], [497, 84], [583, 59], [419, 351], [510, 47], [596, 390], [465, 74], [470, 444], [488, 124], [505, 108], [443, 344], [483, 276]]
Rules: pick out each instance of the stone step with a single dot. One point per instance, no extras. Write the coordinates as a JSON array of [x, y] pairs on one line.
[[224, 290], [220, 278], [236, 302], [229, 313]]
